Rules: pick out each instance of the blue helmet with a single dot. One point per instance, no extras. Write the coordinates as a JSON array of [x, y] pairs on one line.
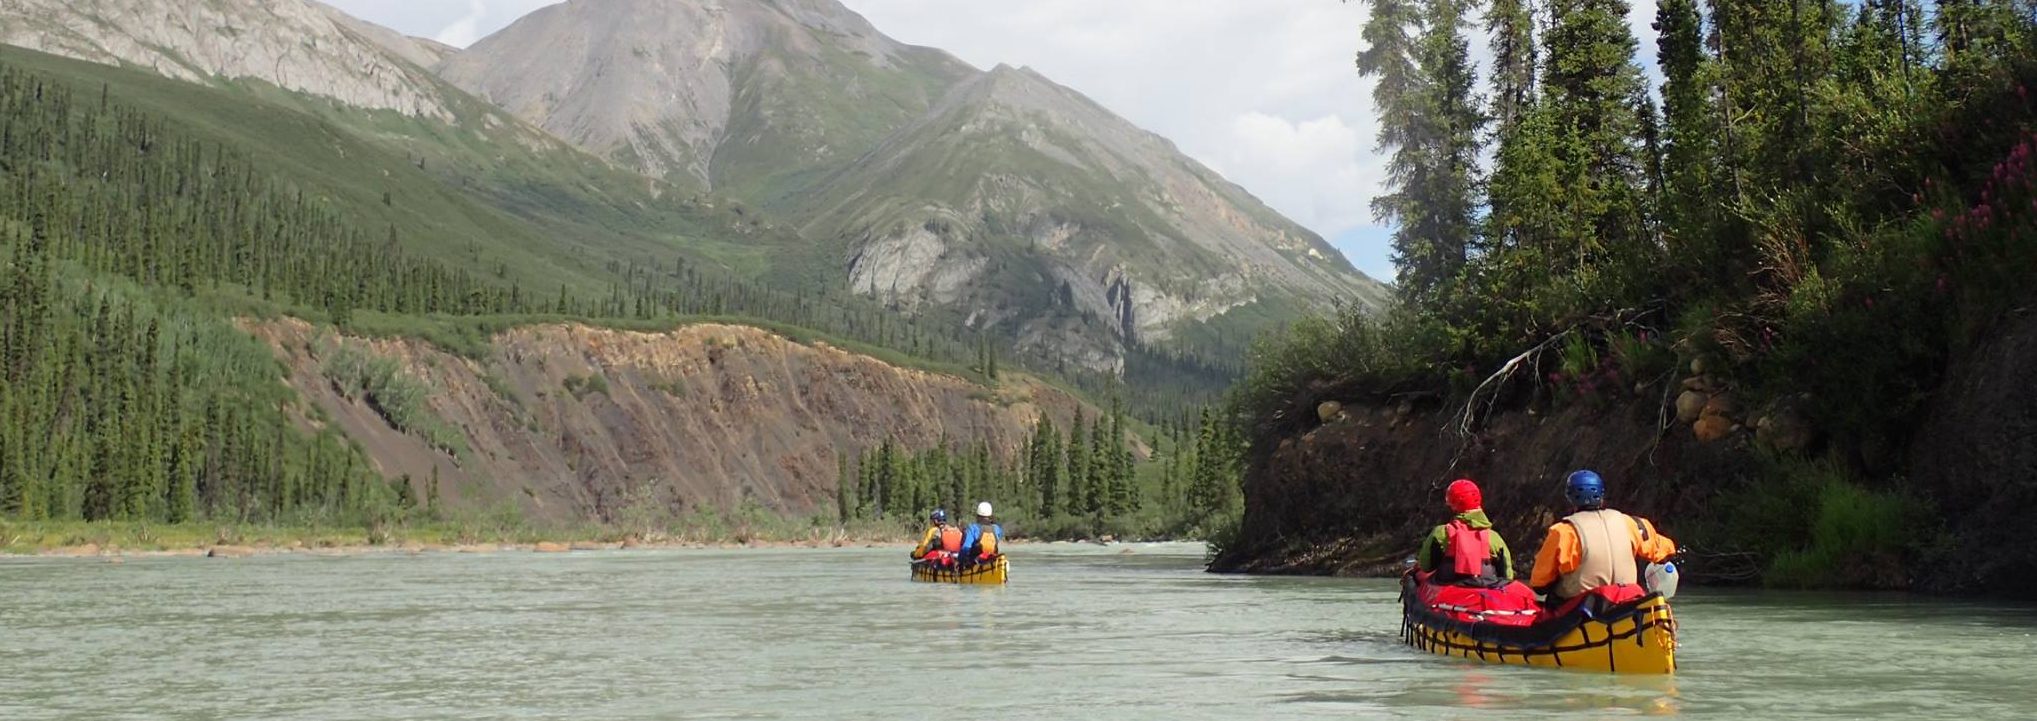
[[1585, 489], [940, 515]]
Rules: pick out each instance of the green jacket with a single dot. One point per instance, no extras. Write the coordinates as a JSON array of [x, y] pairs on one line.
[[1430, 557]]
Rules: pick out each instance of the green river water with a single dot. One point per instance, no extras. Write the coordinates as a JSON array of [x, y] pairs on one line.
[[1082, 632]]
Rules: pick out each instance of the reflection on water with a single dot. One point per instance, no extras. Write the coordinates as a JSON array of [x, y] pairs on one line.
[[1082, 632]]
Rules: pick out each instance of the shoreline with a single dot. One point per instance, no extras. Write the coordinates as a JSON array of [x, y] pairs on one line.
[[115, 544], [117, 553]]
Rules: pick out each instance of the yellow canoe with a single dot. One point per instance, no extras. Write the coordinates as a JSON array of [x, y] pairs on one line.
[[992, 573], [1637, 637]]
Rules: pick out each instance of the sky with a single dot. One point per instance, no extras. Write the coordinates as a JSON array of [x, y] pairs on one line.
[[1262, 91]]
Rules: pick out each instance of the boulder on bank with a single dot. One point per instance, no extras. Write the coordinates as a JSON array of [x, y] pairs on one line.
[[1690, 406], [1785, 429], [229, 552]]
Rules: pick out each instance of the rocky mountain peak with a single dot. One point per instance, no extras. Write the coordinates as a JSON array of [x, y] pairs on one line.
[[294, 44], [665, 85]]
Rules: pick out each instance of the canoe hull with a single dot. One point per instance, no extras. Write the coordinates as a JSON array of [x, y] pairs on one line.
[[982, 574], [1634, 638]]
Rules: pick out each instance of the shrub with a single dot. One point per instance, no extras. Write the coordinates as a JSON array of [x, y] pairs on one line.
[[394, 394], [1811, 524], [583, 386]]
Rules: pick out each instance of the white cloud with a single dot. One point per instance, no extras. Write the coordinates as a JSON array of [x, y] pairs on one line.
[[1313, 171]]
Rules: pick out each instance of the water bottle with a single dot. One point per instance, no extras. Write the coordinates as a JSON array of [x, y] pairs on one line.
[[1661, 578]]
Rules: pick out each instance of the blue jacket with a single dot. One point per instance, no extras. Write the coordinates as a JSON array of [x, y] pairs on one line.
[[973, 536]]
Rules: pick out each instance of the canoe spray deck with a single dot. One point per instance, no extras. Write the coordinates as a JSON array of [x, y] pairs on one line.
[[988, 574], [1638, 637]]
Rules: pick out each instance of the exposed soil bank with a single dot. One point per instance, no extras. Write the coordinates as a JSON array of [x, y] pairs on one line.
[[573, 423], [1353, 497]]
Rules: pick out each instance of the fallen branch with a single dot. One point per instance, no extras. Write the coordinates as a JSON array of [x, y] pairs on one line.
[[1506, 371]]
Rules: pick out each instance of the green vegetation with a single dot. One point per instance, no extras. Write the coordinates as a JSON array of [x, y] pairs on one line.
[[1086, 483], [583, 386], [1831, 202], [1814, 525], [394, 394]]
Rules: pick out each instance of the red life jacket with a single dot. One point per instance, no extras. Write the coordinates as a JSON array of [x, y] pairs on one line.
[[951, 539], [1469, 550]]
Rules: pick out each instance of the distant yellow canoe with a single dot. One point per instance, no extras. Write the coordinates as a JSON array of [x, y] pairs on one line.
[[1638, 637], [982, 573]]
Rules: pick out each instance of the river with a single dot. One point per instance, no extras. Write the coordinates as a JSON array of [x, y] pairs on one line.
[[1126, 632]]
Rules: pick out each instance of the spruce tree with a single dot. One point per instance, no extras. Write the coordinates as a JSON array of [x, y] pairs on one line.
[[1102, 479], [1690, 195], [1511, 26], [1045, 466], [1589, 86], [1078, 494]]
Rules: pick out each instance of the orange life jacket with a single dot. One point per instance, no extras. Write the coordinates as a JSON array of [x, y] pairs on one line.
[[951, 539]]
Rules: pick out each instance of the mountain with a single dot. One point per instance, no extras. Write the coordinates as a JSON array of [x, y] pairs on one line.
[[1008, 201], [993, 202], [296, 45], [1027, 204], [746, 96]]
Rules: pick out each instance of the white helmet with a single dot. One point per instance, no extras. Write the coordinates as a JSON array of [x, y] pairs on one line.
[[983, 509]]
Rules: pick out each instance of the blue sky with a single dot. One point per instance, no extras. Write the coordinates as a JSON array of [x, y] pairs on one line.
[[1262, 91]]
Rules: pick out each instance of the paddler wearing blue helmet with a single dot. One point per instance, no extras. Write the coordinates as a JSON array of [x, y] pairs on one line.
[[1594, 546]]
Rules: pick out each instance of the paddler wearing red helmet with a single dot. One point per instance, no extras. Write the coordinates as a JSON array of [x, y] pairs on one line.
[[1466, 551]]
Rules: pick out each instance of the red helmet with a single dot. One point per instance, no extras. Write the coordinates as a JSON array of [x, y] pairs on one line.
[[1463, 495]]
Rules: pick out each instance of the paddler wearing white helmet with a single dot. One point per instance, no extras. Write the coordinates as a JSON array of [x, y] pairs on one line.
[[981, 540]]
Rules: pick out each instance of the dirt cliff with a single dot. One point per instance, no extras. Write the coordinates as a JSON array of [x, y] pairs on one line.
[[1353, 496], [575, 422]]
